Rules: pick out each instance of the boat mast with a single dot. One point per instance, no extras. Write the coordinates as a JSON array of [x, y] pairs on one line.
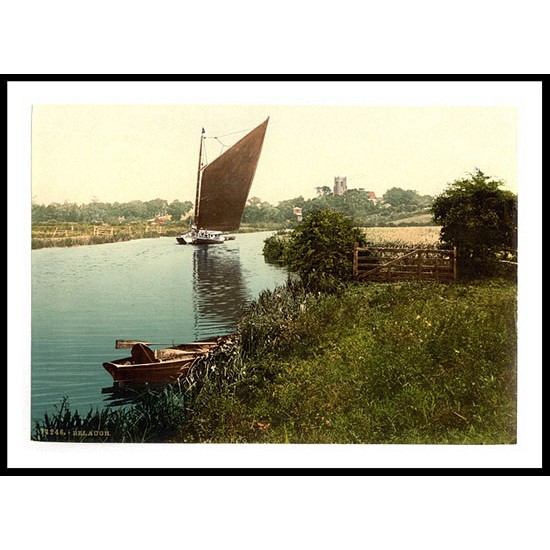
[[197, 196]]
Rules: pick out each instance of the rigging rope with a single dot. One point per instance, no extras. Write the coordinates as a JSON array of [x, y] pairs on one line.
[[232, 133], [224, 146]]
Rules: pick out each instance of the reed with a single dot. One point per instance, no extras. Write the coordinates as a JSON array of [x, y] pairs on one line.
[[154, 416]]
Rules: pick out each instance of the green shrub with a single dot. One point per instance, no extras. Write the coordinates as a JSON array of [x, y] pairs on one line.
[[320, 250], [481, 221], [275, 247]]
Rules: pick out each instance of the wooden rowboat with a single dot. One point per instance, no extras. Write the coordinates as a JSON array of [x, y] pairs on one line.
[[162, 365]]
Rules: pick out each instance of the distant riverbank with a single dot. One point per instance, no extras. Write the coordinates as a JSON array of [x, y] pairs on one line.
[[48, 235]]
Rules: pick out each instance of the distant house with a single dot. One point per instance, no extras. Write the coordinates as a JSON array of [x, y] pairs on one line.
[[373, 197], [160, 219]]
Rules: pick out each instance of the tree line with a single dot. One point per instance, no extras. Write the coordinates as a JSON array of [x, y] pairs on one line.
[[355, 203], [111, 213]]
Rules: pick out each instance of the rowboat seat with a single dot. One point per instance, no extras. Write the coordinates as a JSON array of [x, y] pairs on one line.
[[143, 354]]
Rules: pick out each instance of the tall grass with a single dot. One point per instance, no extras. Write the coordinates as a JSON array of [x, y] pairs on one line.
[[381, 363], [154, 416]]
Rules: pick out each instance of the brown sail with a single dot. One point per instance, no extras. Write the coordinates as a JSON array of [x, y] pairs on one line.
[[225, 183]]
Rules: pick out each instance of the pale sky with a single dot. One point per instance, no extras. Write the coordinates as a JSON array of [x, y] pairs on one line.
[[127, 152]]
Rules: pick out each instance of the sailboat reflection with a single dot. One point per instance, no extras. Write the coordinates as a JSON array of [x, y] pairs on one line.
[[218, 297], [219, 290]]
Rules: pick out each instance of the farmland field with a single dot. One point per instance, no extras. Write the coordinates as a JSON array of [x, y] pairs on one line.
[[423, 235]]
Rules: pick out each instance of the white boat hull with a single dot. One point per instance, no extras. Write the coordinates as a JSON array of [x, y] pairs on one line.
[[203, 236]]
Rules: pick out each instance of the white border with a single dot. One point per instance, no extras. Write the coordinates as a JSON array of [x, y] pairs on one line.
[[527, 96]]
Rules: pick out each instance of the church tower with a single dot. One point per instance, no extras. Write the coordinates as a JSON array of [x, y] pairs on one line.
[[340, 185]]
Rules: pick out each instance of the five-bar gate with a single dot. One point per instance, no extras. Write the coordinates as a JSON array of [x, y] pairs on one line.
[[375, 263]]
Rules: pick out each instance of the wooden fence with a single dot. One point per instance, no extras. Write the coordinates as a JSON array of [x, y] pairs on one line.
[[103, 230], [61, 233], [375, 263], [108, 231]]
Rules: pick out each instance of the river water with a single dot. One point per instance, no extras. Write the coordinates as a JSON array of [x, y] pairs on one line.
[[84, 298]]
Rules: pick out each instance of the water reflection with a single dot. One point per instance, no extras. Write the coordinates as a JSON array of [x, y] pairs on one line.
[[219, 290], [83, 298]]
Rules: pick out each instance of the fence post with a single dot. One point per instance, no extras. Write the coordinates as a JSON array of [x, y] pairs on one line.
[[454, 263]]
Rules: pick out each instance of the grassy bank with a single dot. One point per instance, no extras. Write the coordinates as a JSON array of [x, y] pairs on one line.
[[63, 234], [421, 363], [400, 363]]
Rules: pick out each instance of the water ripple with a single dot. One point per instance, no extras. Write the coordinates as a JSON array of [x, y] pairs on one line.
[[84, 298]]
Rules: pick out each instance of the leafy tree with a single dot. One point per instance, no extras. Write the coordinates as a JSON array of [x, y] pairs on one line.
[[480, 220], [39, 213], [257, 211], [321, 250], [177, 209], [401, 197], [96, 212], [357, 204], [156, 207], [134, 210], [323, 190], [425, 200]]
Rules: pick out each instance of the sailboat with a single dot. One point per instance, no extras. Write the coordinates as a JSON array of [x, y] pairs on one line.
[[222, 189]]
